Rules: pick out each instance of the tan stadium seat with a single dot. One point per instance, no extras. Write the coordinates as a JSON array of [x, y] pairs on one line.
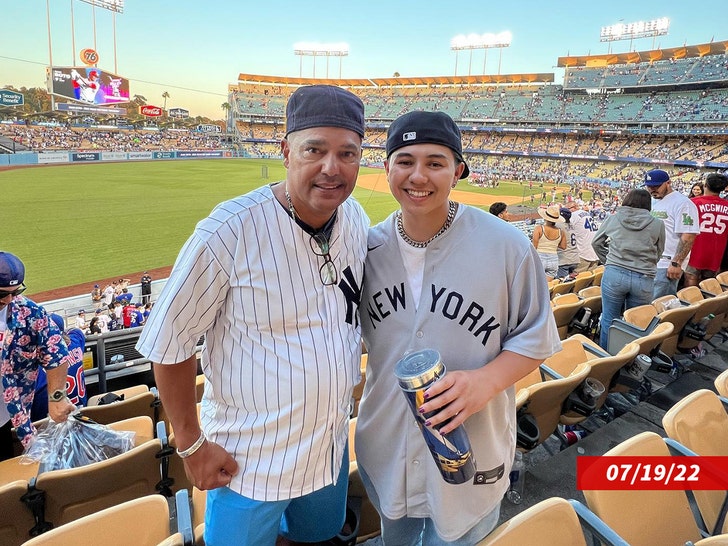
[[126, 393], [564, 308], [77, 492], [721, 384], [678, 317], [592, 297], [564, 287], [645, 517], [16, 520], [598, 274], [707, 307], [552, 522], [540, 399], [583, 280], [140, 404], [605, 367], [144, 521], [699, 422], [722, 278], [712, 285]]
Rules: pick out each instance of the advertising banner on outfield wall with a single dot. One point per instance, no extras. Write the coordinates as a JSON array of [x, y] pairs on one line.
[[87, 84], [53, 157], [113, 156], [141, 155], [191, 154], [164, 155], [85, 156]]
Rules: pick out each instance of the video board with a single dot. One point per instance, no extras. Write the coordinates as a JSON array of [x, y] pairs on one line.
[[88, 84]]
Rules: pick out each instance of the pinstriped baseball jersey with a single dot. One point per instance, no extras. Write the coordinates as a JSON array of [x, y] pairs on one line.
[[282, 351], [483, 292]]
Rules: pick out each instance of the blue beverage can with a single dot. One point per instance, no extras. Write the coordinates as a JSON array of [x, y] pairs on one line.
[[416, 372]]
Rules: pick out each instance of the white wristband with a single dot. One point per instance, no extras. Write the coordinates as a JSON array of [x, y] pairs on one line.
[[193, 448]]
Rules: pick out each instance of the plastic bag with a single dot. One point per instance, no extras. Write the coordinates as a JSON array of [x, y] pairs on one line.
[[76, 442]]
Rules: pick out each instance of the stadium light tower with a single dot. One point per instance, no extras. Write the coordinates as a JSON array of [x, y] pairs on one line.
[[114, 6], [311, 49], [480, 41], [638, 29]]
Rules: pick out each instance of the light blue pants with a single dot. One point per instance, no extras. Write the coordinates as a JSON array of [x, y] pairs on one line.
[[663, 285]]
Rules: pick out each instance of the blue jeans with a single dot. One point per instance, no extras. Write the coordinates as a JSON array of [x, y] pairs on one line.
[[621, 289], [421, 531], [663, 285]]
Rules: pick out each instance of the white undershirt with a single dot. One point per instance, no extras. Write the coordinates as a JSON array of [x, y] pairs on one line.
[[4, 414], [414, 263]]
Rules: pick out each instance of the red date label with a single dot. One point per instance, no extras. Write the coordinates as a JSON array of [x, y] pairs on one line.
[[653, 473]]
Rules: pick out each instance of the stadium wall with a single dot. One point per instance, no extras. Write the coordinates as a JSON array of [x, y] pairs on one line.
[[76, 157]]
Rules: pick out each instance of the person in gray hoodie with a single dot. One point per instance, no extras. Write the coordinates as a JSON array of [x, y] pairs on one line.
[[630, 244]]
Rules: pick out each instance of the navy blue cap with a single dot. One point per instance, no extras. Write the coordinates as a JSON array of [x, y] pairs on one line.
[[420, 127], [656, 177], [12, 270], [58, 320], [324, 106]]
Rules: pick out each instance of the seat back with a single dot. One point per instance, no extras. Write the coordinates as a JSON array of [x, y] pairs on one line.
[[544, 400], [640, 316], [598, 274], [699, 422], [678, 317], [126, 393], [563, 288], [721, 384], [140, 404], [564, 308], [77, 492], [651, 342], [722, 278], [583, 280], [592, 297], [16, 520], [551, 522], [143, 522], [645, 518], [606, 368], [706, 306], [711, 285]]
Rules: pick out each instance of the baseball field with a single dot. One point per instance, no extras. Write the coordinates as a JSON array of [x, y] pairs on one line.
[[80, 224]]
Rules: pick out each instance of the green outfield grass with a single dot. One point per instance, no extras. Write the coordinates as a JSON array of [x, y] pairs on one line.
[[73, 224]]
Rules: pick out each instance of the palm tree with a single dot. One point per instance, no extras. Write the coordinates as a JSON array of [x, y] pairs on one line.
[[165, 96]]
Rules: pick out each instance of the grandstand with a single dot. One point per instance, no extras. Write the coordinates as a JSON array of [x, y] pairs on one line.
[[613, 116]]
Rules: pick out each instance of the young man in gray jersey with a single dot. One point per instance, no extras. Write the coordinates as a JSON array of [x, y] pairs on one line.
[[272, 280]]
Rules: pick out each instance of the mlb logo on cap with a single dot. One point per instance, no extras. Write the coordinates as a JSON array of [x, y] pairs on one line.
[[409, 136], [656, 177], [12, 270]]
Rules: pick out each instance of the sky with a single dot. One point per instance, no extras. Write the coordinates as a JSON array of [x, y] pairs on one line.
[[193, 49]]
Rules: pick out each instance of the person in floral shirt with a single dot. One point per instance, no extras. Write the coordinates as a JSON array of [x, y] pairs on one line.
[[28, 340]]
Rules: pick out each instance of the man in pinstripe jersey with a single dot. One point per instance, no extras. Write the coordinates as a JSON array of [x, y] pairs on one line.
[[272, 279]]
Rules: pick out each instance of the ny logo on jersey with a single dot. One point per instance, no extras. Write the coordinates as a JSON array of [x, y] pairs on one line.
[[687, 220], [352, 292]]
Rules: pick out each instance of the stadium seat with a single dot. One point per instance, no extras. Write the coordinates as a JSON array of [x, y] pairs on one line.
[[77, 492], [583, 280], [369, 522], [721, 384], [564, 287], [199, 503], [712, 286], [144, 403], [710, 313], [16, 520], [144, 521], [722, 278], [21, 468], [564, 308], [126, 393], [592, 297], [605, 367], [642, 315], [540, 398], [699, 422], [552, 522], [598, 274], [645, 517]]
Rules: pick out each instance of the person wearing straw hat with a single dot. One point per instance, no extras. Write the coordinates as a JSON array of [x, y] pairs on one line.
[[548, 239]]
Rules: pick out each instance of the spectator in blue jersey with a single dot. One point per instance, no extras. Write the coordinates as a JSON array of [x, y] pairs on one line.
[[75, 378], [29, 340], [125, 297]]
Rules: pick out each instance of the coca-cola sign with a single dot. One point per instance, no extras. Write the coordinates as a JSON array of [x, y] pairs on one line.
[[150, 111]]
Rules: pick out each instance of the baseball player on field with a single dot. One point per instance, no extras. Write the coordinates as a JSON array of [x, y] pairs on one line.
[[272, 280], [445, 276]]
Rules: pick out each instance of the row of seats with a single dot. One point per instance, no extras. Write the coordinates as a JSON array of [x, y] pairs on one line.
[[582, 280], [696, 426]]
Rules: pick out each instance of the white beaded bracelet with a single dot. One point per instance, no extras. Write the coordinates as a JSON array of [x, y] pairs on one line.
[[193, 448]]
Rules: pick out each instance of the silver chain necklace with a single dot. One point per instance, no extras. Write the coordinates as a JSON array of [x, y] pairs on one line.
[[422, 244], [290, 203]]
